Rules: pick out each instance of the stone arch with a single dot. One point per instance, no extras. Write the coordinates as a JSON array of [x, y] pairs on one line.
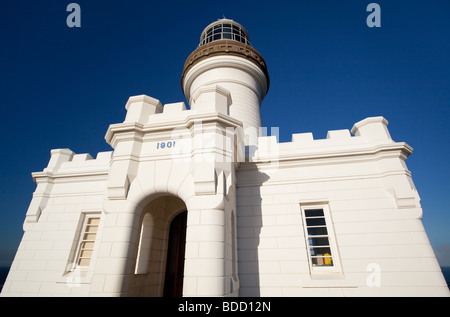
[[161, 178], [152, 244]]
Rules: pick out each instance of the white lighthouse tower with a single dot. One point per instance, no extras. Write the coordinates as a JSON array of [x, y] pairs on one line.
[[226, 61]]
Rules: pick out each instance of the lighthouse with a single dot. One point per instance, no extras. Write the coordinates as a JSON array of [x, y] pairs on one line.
[[224, 61], [182, 207]]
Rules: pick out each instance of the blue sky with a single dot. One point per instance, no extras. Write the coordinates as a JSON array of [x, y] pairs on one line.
[[61, 87]]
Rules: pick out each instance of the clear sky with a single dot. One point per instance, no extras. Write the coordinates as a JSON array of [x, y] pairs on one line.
[[61, 87]]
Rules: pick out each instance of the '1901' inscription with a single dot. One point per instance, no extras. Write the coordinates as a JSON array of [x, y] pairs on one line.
[[163, 145]]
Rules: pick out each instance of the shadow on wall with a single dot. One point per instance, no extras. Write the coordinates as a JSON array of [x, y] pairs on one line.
[[249, 223]]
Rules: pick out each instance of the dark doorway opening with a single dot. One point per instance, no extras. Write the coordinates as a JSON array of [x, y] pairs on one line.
[[173, 282]]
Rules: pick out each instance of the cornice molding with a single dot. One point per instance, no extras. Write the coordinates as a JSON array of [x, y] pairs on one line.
[[225, 47], [399, 150], [137, 131]]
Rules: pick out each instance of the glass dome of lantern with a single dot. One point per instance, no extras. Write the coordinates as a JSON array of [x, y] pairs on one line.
[[224, 29]]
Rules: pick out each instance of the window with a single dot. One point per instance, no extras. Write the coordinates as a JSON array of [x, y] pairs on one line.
[[226, 31], [87, 240], [320, 238]]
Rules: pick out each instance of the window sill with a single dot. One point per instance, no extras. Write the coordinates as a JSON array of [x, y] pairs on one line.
[[327, 280], [76, 277], [327, 276]]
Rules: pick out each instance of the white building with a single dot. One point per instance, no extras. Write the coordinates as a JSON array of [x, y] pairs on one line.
[[199, 202]]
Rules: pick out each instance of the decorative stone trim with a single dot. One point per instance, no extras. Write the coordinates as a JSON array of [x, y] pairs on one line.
[[225, 47]]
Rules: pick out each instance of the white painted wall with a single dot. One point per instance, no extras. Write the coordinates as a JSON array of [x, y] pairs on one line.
[[245, 231], [374, 211]]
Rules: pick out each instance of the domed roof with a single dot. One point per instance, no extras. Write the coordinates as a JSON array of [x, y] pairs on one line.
[[225, 37], [224, 29]]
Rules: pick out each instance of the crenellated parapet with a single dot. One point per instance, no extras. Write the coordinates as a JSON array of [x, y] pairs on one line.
[[367, 151], [202, 139], [370, 134], [65, 165]]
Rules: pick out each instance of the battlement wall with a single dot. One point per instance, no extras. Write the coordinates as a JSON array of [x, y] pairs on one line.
[[65, 160], [368, 133]]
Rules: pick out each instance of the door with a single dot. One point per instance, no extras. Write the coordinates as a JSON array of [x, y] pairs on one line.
[[173, 282]]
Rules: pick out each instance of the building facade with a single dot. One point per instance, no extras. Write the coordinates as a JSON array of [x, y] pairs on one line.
[[200, 202]]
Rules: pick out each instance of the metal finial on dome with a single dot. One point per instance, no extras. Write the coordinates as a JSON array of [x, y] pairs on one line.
[[224, 29]]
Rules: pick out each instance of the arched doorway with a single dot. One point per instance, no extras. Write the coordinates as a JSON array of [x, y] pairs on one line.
[[173, 282], [160, 249]]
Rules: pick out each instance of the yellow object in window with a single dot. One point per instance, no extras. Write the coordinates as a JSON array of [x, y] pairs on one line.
[[327, 259]]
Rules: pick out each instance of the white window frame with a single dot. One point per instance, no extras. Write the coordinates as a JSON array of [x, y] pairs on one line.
[[336, 267], [83, 231]]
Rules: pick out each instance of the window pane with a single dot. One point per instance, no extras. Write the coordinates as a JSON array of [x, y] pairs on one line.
[[315, 222], [314, 213], [320, 251], [87, 245], [319, 231], [319, 241], [93, 221], [92, 229], [86, 254], [227, 36], [322, 261], [89, 236], [84, 262]]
